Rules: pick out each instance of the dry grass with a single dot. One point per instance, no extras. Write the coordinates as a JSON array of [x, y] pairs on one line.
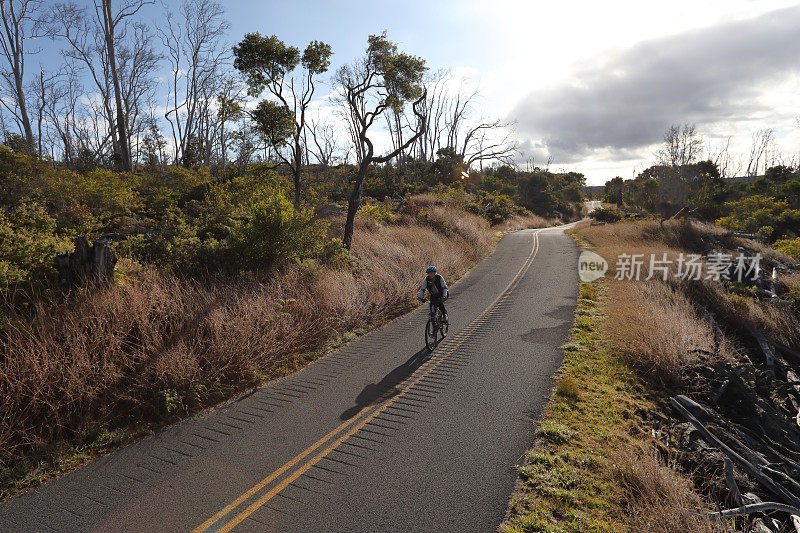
[[658, 330], [518, 222], [792, 280], [676, 237], [774, 319], [156, 347], [657, 498]]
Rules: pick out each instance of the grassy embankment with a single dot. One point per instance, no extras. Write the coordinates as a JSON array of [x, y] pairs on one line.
[[597, 464], [89, 372]]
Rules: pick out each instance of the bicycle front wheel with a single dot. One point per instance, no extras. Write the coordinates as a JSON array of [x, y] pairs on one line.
[[431, 332]]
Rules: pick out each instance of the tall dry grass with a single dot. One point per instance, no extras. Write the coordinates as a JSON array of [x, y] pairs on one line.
[[122, 354], [658, 330], [650, 309], [518, 222], [657, 498]]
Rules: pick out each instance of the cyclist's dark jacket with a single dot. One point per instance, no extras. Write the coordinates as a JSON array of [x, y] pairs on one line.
[[436, 287]]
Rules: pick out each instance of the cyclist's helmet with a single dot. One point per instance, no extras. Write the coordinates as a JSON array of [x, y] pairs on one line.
[[430, 269]]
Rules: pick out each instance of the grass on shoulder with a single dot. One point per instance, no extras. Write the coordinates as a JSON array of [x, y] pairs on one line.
[[568, 481], [595, 465]]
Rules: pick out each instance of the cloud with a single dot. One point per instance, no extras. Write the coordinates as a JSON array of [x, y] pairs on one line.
[[620, 103]]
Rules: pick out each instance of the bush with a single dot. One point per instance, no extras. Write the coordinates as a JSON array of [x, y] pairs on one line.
[[378, 213], [28, 244], [789, 247], [426, 218], [765, 215], [499, 208], [275, 231], [606, 214], [175, 242]]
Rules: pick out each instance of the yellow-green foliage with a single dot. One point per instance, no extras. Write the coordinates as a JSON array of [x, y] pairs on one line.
[[179, 218], [789, 247], [767, 216], [275, 231], [378, 213], [28, 244]]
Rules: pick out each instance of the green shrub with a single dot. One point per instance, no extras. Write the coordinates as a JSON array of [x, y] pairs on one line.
[[378, 213], [770, 217], [174, 241], [169, 402], [425, 218], [275, 231], [335, 255], [28, 244], [789, 247], [605, 214], [499, 208]]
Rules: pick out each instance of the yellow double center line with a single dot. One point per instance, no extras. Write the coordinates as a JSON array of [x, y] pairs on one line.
[[221, 521]]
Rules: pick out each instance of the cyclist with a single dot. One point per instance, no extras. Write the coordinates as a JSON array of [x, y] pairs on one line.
[[437, 288]]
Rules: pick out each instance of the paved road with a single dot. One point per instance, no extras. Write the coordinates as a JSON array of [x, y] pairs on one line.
[[378, 436], [591, 205]]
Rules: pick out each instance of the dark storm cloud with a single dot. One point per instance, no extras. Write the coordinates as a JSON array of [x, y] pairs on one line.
[[623, 103]]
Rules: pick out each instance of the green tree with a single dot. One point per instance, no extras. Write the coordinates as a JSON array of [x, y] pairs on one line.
[[266, 62], [448, 166], [615, 191], [385, 79], [536, 195]]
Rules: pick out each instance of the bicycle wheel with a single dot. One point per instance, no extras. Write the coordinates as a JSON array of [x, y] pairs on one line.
[[430, 334]]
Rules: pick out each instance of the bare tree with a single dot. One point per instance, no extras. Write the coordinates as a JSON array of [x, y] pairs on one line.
[[450, 124], [434, 108], [721, 158], [137, 65], [682, 146], [124, 69], [19, 25], [110, 21], [195, 51], [62, 107], [325, 141], [759, 149], [44, 89]]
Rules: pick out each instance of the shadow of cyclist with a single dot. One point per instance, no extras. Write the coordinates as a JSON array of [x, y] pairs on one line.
[[387, 386]]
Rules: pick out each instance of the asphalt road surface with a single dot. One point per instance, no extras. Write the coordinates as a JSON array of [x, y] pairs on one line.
[[378, 436], [591, 205]]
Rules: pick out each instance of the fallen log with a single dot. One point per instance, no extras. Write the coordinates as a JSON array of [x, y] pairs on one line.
[[731, 480], [745, 510], [759, 476], [769, 355]]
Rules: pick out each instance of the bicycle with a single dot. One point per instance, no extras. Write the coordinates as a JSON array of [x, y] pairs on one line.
[[434, 327]]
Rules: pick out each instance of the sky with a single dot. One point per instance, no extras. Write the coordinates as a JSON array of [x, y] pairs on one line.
[[591, 86]]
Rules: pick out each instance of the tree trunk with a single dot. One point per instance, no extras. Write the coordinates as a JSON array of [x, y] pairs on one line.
[[353, 203], [88, 263], [124, 146], [298, 155], [23, 111]]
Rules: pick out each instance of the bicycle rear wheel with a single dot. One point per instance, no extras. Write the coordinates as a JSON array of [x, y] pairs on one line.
[[431, 332]]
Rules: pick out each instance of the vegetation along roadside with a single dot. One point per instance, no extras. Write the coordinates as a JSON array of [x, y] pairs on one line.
[[613, 452]]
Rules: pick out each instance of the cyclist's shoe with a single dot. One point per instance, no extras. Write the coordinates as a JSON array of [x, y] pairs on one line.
[[446, 321]]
